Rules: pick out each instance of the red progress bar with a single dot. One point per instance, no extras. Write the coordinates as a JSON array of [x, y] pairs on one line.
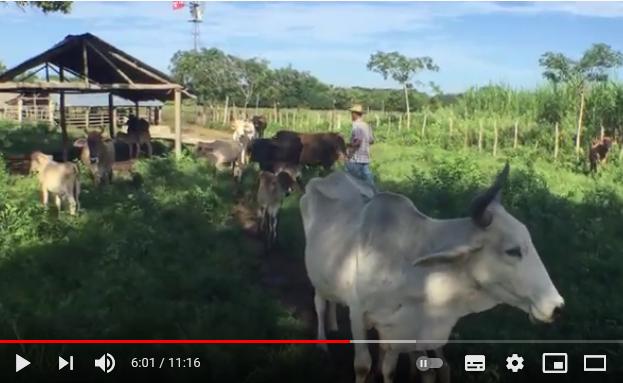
[[174, 341]]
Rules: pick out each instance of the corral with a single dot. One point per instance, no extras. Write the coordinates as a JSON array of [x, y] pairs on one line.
[[87, 64]]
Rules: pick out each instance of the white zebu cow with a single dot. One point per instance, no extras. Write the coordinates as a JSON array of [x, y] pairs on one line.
[[244, 131], [411, 276]]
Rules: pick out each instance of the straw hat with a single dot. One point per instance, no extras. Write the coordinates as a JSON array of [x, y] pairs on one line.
[[356, 108]]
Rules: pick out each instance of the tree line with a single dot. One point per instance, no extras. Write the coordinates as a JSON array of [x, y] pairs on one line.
[[215, 76]]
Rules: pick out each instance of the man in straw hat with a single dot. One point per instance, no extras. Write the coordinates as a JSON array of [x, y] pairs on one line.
[[358, 163]]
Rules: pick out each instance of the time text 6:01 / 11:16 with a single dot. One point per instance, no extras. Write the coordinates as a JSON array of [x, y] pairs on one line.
[[165, 362]]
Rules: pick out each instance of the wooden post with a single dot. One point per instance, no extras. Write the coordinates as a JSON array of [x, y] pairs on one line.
[[86, 118], [64, 125], [378, 121], [115, 118], [578, 137], [20, 104], [136, 109], [157, 115], [516, 134], [85, 61], [50, 111], [225, 116], [601, 136], [495, 138], [480, 136], [556, 138], [35, 108], [339, 123], [61, 75], [112, 121], [178, 123], [424, 124]]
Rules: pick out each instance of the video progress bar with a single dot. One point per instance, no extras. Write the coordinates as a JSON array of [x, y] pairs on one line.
[[493, 341]]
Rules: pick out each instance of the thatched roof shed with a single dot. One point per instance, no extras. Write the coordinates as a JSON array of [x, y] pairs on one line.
[[95, 66]]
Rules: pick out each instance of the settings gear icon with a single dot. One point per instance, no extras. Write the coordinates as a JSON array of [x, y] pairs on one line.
[[514, 363]]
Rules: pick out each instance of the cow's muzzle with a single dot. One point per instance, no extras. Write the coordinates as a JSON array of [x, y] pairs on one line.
[[539, 315]]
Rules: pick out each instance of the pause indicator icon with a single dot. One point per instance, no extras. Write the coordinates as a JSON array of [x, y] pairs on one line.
[[424, 363]]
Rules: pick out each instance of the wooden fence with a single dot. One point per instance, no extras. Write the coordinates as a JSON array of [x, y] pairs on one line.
[[78, 117]]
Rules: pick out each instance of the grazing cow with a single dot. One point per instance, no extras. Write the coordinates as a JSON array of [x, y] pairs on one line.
[[411, 276], [260, 124], [222, 153], [242, 128], [136, 136], [318, 148], [98, 155], [269, 151], [270, 194], [293, 170], [60, 179], [598, 152]]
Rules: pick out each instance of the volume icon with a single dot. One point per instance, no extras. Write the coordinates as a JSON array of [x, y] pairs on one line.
[[106, 362]]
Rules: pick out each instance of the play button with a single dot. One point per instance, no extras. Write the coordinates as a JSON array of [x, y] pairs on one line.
[[20, 363]]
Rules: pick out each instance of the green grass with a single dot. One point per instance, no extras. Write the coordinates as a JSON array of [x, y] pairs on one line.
[[158, 255]]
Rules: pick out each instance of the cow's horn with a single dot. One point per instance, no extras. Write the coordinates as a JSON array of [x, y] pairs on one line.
[[478, 209]]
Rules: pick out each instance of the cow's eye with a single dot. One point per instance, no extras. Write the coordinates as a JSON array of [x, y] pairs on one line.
[[514, 252]]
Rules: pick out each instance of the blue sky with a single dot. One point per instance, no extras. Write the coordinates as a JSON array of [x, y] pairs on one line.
[[473, 43]]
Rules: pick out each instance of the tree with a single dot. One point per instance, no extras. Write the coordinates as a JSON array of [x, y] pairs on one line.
[[579, 75], [250, 74], [401, 69], [207, 73], [47, 6]]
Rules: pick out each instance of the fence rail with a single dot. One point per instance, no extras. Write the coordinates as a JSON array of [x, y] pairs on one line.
[[77, 117]]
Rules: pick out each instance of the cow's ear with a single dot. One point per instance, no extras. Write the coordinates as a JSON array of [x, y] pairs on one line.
[[451, 255], [479, 208], [80, 142]]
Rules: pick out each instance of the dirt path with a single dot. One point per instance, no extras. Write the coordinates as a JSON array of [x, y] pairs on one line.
[[284, 276]]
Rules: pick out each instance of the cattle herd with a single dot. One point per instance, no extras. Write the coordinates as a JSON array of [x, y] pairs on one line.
[[97, 154], [407, 275], [280, 159]]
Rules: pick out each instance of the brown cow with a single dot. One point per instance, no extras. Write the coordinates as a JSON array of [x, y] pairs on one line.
[[137, 135], [270, 194], [598, 152], [318, 148], [260, 124], [98, 155]]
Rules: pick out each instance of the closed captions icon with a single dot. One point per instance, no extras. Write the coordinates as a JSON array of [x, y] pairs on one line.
[[474, 363]]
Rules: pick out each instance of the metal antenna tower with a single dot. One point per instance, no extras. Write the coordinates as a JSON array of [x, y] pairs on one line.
[[196, 17]]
